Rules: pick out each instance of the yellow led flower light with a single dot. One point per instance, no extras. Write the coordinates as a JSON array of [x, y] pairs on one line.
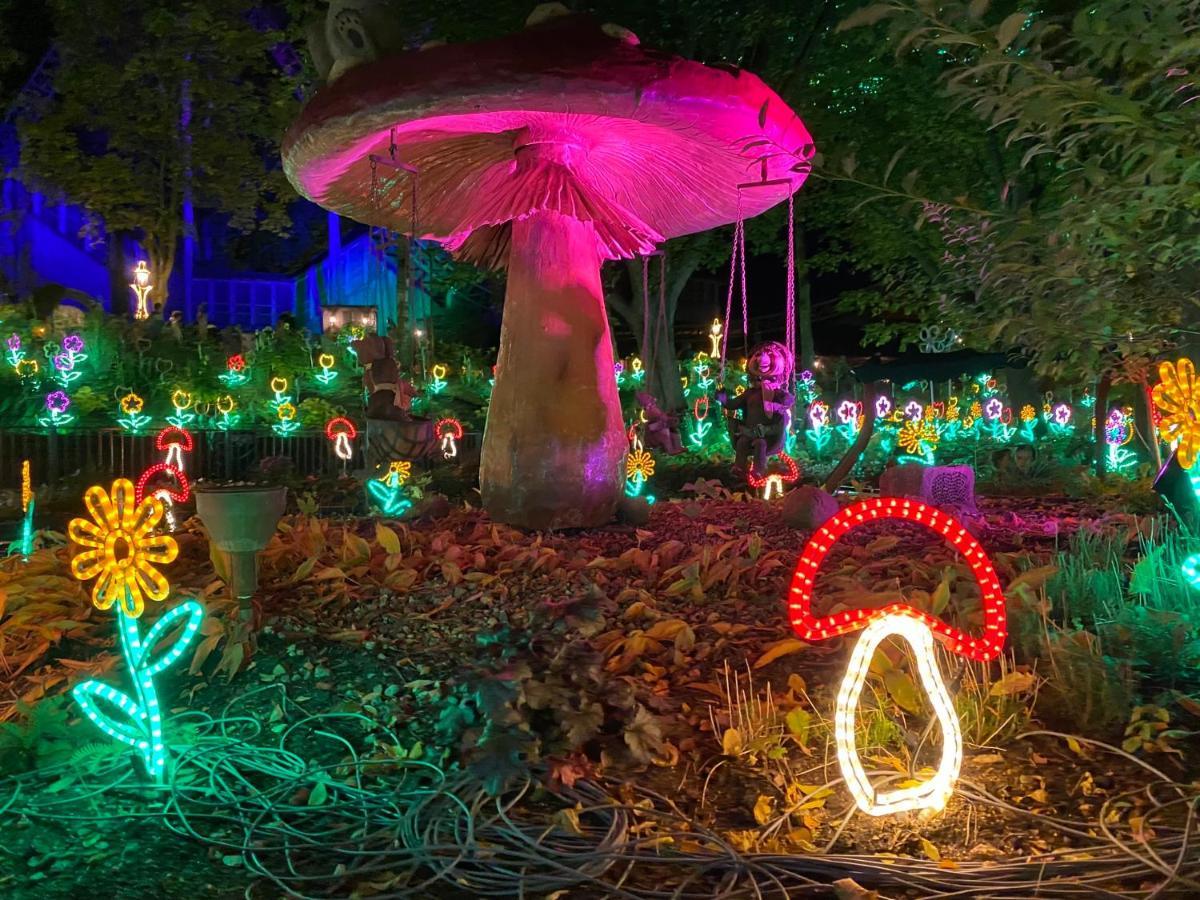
[[286, 412], [931, 794], [1027, 413], [639, 465], [1177, 399], [131, 404], [26, 486], [120, 548], [279, 385], [181, 400], [398, 472]]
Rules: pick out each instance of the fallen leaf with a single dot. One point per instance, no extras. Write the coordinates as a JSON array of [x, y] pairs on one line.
[[780, 649]]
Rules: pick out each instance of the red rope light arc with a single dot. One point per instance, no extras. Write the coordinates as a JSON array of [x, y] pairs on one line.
[[340, 425], [454, 426], [180, 496], [810, 628], [172, 435]]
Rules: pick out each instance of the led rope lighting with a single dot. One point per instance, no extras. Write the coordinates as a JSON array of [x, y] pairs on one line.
[[175, 441], [808, 627], [916, 627], [449, 431], [119, 521], [931, 794], [326, 361], [773, 483], [341, 431]]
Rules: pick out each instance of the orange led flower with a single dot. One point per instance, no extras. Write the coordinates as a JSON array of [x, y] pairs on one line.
[[1178, 402], [915, 432], [120, 548], [1027, 413], [976, 410], [639, 465]]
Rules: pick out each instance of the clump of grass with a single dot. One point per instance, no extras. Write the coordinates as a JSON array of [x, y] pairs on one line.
[[1089, 586], [993, 709], [1086, 690]]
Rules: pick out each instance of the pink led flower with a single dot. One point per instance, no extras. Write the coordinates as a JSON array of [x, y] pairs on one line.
[[913, 410], [883, 407], [72, 343], [14, 341], [57, 402], [63, 363], [847, 412], [1062, 414], [993, 408]]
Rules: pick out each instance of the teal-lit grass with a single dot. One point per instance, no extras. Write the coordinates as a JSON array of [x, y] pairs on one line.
[[140, 724], [387, 495]]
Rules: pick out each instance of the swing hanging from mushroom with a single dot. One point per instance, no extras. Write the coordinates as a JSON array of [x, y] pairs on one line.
[[761, 431]]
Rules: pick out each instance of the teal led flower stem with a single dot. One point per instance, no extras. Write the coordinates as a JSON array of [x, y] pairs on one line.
[[142, 727]]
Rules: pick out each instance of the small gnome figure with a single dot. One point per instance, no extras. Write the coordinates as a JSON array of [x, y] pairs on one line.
[[766, 407], [662, 428], [389, 395]]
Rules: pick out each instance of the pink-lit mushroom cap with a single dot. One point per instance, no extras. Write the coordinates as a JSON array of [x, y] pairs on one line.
[[560, 117]]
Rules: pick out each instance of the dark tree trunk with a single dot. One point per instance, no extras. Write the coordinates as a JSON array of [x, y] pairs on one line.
[[842, 469], [1100, 410]]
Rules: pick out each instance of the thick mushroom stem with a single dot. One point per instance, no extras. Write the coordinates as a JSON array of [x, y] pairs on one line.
[[554, 447]]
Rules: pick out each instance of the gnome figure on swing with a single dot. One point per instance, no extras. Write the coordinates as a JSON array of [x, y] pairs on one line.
[[766, 408]]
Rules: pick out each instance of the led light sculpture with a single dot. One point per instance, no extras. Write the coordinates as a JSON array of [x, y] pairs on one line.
[[287, 424], [388, 490], [131, 418], [715, 333], [1176, 400], [182, 401], [141, 288], [120, 551], [449, 432], [916, 627], [15, 352], [226, 406], [438, 384], [279, 387], [638, 372], [175, 441], [700, 424], [883, 407], [25, 545], [326, 361], [772, 483], [341, 431], [1118, 431], [818, 433], [57, 404], [235, 371]]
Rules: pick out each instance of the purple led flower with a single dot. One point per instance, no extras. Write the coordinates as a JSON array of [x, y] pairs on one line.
[[63, 363], [1116, 428], [914, 410], [57, 402], [14, 342], [618, 367], [848, 412], [72, 343], [806, 377], [883, 407], [993, 408], [1062, 414]]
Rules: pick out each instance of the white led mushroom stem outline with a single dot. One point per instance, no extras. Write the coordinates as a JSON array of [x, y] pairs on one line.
[[914, 626]]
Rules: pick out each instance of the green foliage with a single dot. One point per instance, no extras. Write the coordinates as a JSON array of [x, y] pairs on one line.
[[112, 138], [1086, 260], [539, 689], [40, 736], [1087, 690]]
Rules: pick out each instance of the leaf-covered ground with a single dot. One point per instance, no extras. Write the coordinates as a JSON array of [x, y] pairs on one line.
[[641, 659]]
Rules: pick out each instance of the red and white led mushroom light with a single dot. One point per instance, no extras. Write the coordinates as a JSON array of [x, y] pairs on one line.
[[916, 627]]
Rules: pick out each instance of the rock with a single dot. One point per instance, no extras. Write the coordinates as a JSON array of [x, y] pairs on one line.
[[808, 507], [951, 488], [434, 506], [633, 510]]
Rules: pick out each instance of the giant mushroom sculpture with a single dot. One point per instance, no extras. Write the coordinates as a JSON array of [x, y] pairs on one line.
[[547, 152]]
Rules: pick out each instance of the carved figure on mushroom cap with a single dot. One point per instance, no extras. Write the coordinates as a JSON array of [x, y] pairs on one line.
[[766, 406], [662, 428]]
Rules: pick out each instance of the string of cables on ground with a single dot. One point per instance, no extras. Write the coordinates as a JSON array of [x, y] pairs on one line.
[[310, 813]]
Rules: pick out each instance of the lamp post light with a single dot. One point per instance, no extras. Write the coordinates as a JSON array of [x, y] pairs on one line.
[[141, 287], [419, 334]]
